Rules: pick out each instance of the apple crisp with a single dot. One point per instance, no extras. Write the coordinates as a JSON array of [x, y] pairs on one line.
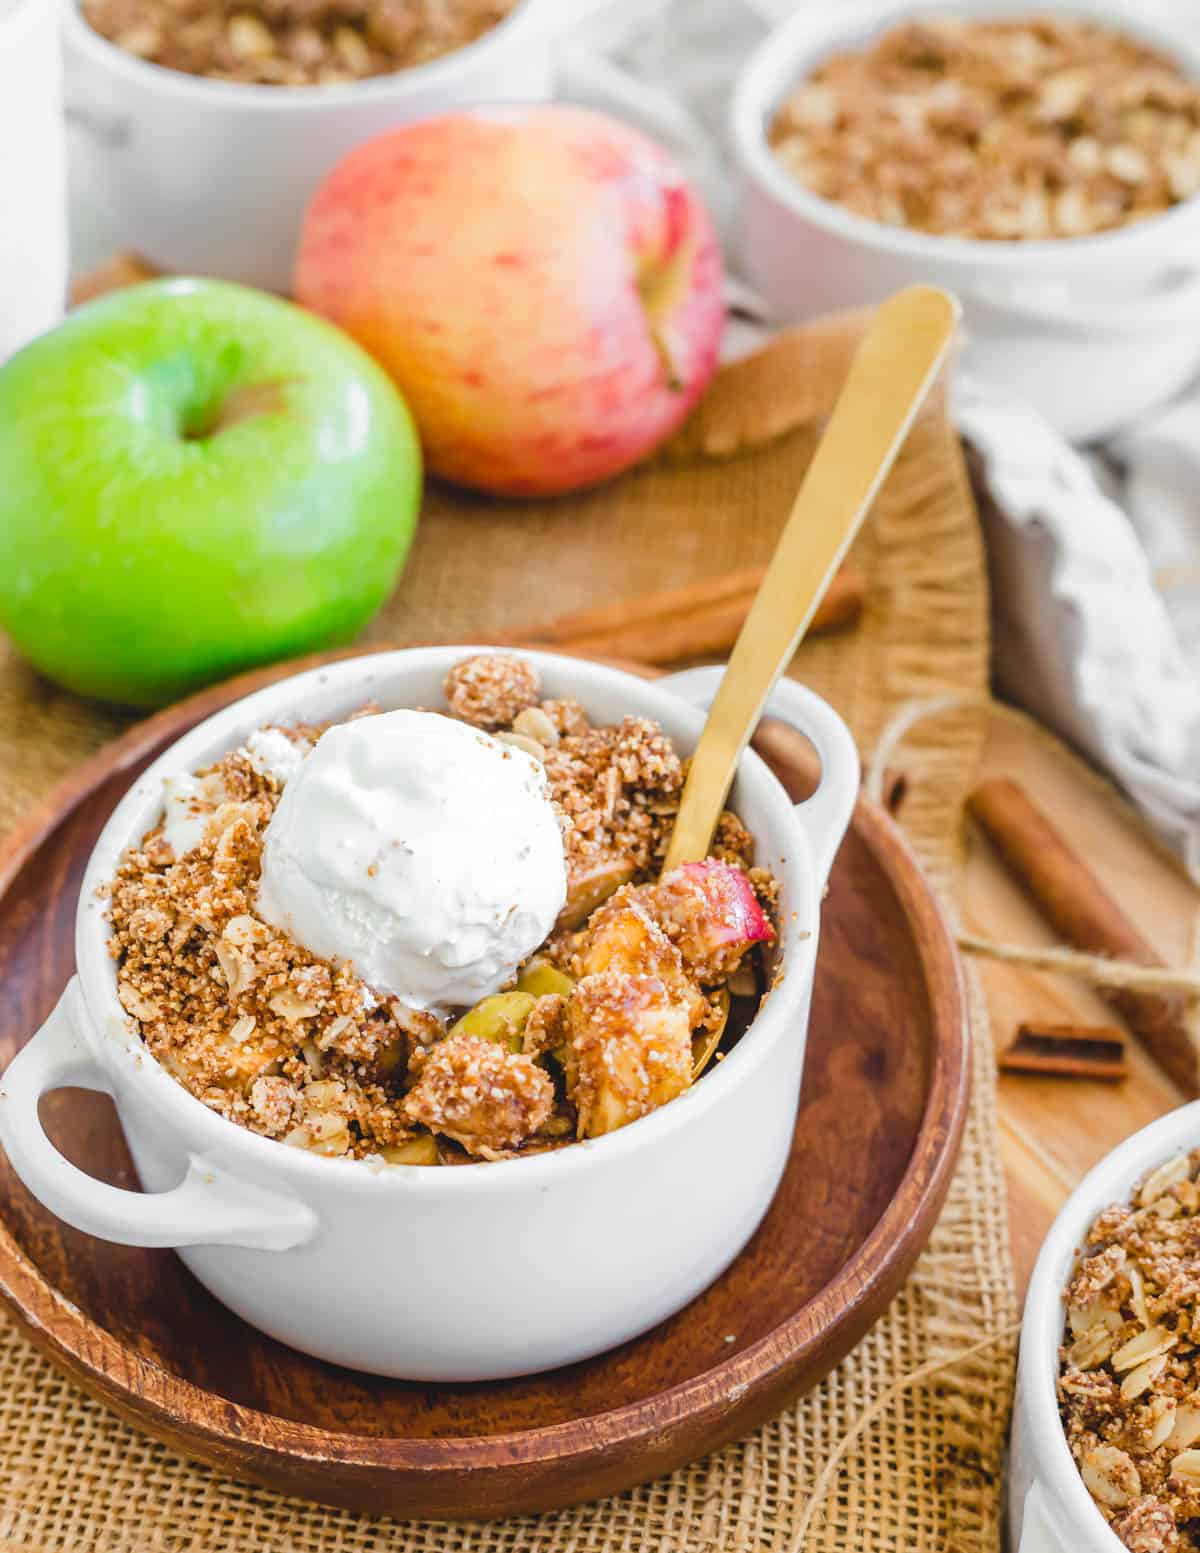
[[1041, 127], [293, 42], [598, 1027], [1129, 1367]]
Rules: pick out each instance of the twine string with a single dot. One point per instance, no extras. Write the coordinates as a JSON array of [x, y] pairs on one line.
[[914, 1379], [1117, 975], [1099, 970], [901, 724]]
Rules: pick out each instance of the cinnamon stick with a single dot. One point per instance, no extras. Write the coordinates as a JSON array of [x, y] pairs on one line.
[[1082, 912], [1067, 1051], [700, 620]]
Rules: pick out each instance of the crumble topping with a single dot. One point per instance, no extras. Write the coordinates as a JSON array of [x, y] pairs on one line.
[[491, 689], [1129, 1370], [598, 1031], [1038, 127], [293, 42], [631, 1048], [481, 1095]]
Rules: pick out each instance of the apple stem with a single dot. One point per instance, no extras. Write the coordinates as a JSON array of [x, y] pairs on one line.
[[240, 404], [663, 351], [660, 285]]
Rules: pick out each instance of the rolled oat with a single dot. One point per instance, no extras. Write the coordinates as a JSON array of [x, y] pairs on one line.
[[293, 42], [1129, 1369], [1042, 127]]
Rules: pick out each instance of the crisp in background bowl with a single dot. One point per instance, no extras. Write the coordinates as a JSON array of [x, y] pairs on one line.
[[1092, 331], [1050, 1510], [212, 177]]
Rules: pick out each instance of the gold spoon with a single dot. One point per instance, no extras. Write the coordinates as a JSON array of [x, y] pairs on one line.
[[892, 371], [704, 1047]]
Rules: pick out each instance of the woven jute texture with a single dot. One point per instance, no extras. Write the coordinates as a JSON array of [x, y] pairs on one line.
[[925, 1476]]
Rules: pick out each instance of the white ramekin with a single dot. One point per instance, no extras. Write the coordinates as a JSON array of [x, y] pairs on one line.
[[1050, 1511], [1091, 330], [33, 195], [477, 1271], [212, 177]]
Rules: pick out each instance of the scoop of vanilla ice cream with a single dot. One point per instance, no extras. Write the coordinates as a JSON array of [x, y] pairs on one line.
[[419, 849], [276, 754]]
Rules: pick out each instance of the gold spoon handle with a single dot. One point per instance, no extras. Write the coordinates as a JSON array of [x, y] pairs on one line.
[[891, 373]]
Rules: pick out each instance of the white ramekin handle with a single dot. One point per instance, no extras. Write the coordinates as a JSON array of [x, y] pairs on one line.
[[825, 815], [208, 1208]]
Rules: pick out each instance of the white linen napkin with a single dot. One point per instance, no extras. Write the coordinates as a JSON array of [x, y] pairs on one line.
[[1081, 636]]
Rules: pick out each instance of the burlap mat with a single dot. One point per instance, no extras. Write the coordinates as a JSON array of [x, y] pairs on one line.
[[73, 1479]]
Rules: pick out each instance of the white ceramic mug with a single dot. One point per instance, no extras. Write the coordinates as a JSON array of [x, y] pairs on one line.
[[33, 208], [480, 1271], [1050, 1510], [1092, 331], [212, 177]]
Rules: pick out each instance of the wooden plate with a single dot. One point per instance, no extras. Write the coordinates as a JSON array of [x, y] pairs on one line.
[[881, 1115]]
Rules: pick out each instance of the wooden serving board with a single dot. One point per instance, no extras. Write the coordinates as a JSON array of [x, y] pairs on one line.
[[882, 1110], [1052, 1131]]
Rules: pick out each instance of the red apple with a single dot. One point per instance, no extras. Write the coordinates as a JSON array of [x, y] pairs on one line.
[[541, 282]]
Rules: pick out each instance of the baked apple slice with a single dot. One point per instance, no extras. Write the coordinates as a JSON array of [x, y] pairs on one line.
[[624, 936], [590, 886], [630, 1049]]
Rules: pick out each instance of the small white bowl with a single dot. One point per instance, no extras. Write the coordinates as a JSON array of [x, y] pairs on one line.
[[472, 1272], [211, 177], [1050, 1510], [1092, 331], [33, 204]]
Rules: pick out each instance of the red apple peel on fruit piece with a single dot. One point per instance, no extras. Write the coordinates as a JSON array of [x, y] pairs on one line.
[[737, 915], [712, 914]]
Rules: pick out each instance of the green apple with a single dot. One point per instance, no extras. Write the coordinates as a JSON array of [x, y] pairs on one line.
[[196, 478]]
